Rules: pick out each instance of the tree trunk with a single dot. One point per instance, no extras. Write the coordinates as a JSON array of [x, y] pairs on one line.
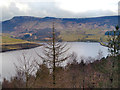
[[53, 55]]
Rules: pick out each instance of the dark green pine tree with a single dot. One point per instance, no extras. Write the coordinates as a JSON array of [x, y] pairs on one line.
[[113, 47]]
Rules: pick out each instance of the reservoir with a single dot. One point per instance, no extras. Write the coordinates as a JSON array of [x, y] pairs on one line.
[[84, 50]]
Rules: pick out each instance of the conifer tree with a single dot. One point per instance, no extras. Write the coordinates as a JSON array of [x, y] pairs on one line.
[[113, 47], [54, 53]]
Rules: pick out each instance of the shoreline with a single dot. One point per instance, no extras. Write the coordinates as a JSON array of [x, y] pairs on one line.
[[101, 43], [28, 45], [18, 46]]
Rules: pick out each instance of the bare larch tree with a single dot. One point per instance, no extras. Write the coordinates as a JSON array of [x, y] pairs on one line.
[[25, 68]]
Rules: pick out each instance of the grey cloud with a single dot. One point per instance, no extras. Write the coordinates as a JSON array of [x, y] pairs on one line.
[[44, 9], [11, 11]]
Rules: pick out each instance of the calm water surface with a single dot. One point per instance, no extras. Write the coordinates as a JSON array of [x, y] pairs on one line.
[[82, 49]]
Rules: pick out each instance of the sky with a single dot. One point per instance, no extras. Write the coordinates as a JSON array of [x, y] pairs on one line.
[[58, 8]]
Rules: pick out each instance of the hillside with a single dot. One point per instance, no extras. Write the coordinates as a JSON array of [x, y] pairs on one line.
[[6, 39], [69, 29], [7, 43]]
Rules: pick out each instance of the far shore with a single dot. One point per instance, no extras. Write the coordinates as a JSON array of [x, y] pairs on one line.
[[18, 46], [5, 47]]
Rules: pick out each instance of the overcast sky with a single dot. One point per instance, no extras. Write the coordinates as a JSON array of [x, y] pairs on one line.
[[58, 8]]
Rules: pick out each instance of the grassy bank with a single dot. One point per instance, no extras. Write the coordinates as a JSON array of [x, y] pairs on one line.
[[18, 46], [9, 44]]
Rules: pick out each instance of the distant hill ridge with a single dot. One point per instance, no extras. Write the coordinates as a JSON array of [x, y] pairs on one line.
[[19, 25]]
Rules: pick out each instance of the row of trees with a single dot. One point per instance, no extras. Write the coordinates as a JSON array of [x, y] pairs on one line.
[[73, 75]]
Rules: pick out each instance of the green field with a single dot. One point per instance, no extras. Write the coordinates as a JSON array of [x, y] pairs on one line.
[[6, 39], [88, 35], [9, 43]]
